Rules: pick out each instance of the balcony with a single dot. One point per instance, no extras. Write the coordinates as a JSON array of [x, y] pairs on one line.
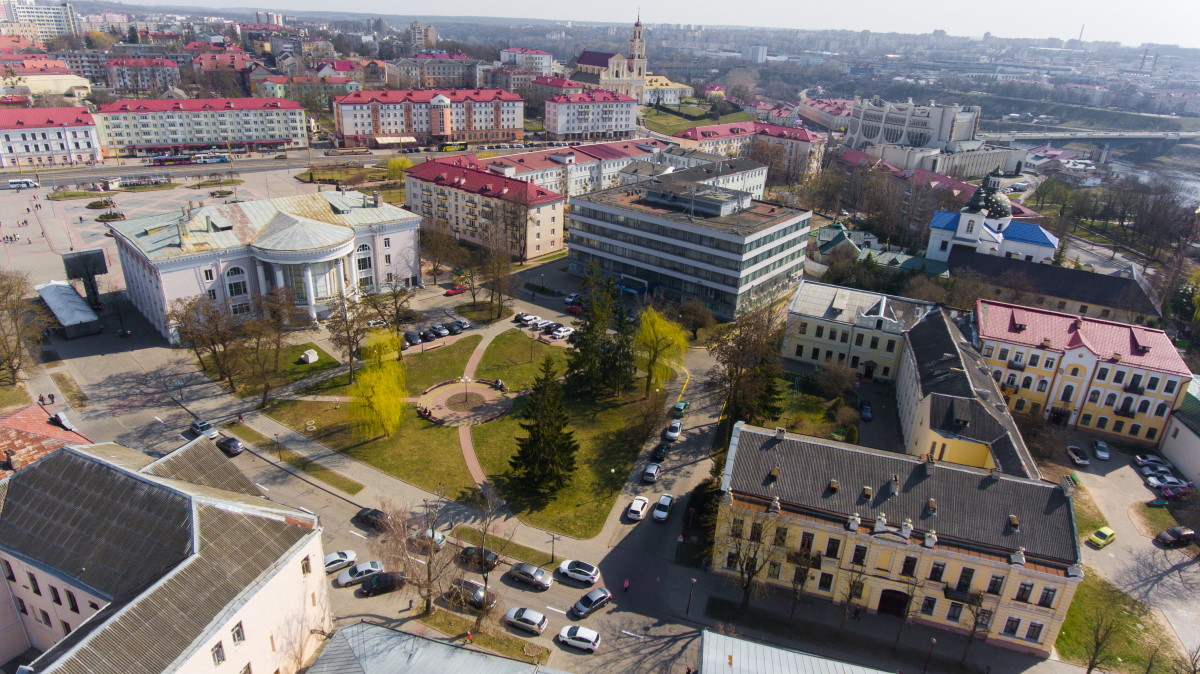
[[1135, 389], [1016, 365], [1126, 412], [966, 597]]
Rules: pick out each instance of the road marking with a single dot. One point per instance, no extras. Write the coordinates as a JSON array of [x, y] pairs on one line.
[[263, 488], [640, 636], [160, 421], [357, 534], [558, 610]]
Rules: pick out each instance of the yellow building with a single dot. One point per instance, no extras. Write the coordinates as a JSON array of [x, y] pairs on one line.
[[622, 73], [1113, 379], [962, 549]]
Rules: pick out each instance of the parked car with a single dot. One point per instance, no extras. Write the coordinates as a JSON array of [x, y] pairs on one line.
[[660, 451], [1176, 537], [231, 446], [865, 412], [1155, 469], [540, 323], [454, 328], [526, 619], [580, 637], [520, 317], [1100, 450], [1160, 481], [662, 509], [479, 558], [202, 428], [563, 333], [465, 592], [651, 473], [575, 309], [439, 330], [456, 290], [1102, 537], [573, 298], [423, 538], [551, 327], [530, 319], [358, 573], [580, 571], [591, 602], [1078, 456], [681, 408], [372, 518], [673, 430], [412, 337], [531, 575], [376, 323], [336, 561], [1146, 459], [382, 583], [637, 509], [428, 336], [463, 323]]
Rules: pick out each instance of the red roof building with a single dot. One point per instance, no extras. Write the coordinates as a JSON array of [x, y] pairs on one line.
[[65, 136], [196, 105], [801, 148], [44, 118], [557, 83], [198, 46], [590, 114], [151, 126], [225, 61], [372, 118], [142, 63], [27, 435]]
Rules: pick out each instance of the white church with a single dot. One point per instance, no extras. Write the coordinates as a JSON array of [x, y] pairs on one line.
[[985, 225]]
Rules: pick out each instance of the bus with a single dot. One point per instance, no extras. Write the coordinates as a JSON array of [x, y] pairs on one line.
[[450, 147], [342, 151], [210, 158], [170, 160]]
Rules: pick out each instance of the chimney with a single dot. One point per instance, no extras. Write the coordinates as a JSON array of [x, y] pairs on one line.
[[881, 523], [1014, 523], [833, 485], [929, 463], [931, 539], [906, 527], [773, 476], [780, 433], [853, 522], [867, 492], [11, 460], [377, 198], [894, 485], [932, 506]]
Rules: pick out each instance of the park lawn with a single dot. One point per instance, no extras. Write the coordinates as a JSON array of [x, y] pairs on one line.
[[420, 453], [294, 459], [148, 188], [481, 312], [216, 183], [392, 195], [492, 638], [1088, 517], [582, 506], [292, 369], [803, 414], [66, 383], [1137, 628], [445, 362], [505, 547], [517, 359], [74, 194], [670, 125], [13, 396]]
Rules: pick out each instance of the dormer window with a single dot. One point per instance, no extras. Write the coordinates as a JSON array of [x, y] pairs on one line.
[[970, 226]]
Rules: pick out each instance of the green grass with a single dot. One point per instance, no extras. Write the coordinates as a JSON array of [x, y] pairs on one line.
[[216, 183], [329, 386], [605, 429], [440, 364], [481, 313], [74, 194], [13, 396], [346, 175], [548, 258], [492, 638], [507, 548], [149, 188], [670, 124], [295, 460], [292, 370], [516, 358], [421, 453], [1156, 519], [1136, 633], [394, 195], [1088, 517], [66, 383]]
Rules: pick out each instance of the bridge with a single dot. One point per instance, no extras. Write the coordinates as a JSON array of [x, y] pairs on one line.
[[1154, 142]]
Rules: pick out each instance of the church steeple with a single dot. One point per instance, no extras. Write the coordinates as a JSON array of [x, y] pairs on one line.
[[637, 46]]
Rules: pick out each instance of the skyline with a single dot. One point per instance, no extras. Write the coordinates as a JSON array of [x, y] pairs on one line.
[[1105, 20]]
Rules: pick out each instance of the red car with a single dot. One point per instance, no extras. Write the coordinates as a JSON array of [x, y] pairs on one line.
[[575, 309], [457, 290]]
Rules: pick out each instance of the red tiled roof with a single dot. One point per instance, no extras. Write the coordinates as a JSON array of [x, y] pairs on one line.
[[142, 63], [557, 82], [535, 161], [307, 79], [210, 47], [340, 66], [426, 95], [216, 61], [29, 435], [1136, 346], [838, 107], [475, 179], [527, 50], [39, 118], [592, 96], [732, 129], [198, 105]]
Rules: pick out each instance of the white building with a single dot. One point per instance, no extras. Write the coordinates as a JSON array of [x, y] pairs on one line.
[[121, 563], [591, 114], [139, 127], [524, 58], [34, 137], [755, 53], [938, 125], [51, 19], [574, 170], [985, 225], [148, 75], [741, 175], [321, 246], [430, 115], [660, 90], [1181, 443]]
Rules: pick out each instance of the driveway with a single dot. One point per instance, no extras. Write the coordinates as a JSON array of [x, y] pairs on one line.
[[883, 430]]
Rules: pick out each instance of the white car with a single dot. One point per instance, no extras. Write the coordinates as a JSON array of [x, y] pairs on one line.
[[651, 473], [673, 431], [540, 323], [1160, 481], [358, 573], [375, 323], [662, 509], [637, 509], [573, 298], [562, 333], [580, 637], [340, 560], [526, 619], [202, 427], [1148, 459], [1155, 469], [530, 319], [580, 571]]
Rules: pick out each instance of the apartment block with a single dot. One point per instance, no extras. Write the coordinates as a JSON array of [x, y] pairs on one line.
[[590, 115], [794, 152], [36, 137], [142, 75], [147, 127], [429, 115], [579, 169]]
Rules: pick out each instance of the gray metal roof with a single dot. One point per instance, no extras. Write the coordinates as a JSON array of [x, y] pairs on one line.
[[841, 304], [287, 232], [366, 648], [68, 307], [718, 651], [973, 505], [200, 462]]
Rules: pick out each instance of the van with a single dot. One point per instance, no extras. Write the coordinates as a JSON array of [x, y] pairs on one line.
[[18, 183]]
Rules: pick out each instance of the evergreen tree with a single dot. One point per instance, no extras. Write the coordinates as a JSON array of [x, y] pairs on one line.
[[619, 361], [585, 363], [545, 458]]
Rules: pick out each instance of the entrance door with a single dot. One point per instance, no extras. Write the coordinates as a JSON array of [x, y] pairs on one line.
[[893, 602], [868, 372]]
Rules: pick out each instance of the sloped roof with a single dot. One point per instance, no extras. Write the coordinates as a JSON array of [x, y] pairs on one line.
[[292, 233], [197, 105], [201, 462], [947, 220], [1027, 232], [748, 656], [1189, 412], [66, 304], [28, 434], [837, 303], [479, 181], [973, 505], [592, 96], [597, 59], [37, 118], [425, 96]]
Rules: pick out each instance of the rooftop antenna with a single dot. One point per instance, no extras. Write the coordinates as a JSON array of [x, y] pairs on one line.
[[1081, 34]]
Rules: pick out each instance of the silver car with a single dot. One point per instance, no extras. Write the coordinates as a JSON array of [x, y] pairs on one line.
[[526, 619], [531, 575], [358, 573]]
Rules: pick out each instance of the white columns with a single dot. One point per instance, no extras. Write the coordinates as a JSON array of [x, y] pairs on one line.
[[311, 292], [341, 276], [278, 274], [262, 277]]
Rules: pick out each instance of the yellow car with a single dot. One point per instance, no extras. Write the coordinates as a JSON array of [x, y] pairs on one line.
[[1102, 537]]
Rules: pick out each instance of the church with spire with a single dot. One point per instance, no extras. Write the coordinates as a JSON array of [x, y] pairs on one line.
[[985, 225], [622, 73]]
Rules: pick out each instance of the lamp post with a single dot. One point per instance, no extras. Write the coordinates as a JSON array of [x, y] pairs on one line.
[[553, 538], [691, 589], [543, 281], [466, 380], [932, 643], [612, 486]]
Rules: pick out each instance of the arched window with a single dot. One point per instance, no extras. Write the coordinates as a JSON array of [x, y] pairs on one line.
[[233, 272], [1144, 407], [235, 282], [996, 375], [1068, 393], [1027, 382], [1127, 403], [1042, 385], [1110, 400], [362, 258], [1075, 371], [1161, 410], [1094, 397]]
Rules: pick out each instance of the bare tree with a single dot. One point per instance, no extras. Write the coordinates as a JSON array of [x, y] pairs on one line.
[[390, 305], [749, 549], [347, 329], [410, 543], [910, 608], [979, 622], [491, 510], [1101, 629], [1187, 663], [805, 563], [496, 263], [211, 330], [22, 324], [853, 590], [266, 335], [440, 248]]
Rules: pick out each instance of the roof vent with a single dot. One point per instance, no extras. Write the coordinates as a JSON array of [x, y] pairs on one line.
[[1014, 523], [1116, 357], [773, 506], [780, 433], [833, 485], [867, 492], [853, 522], [931, 539], [881, 523], [906, 527], [932, 506], [774, 474], [1045, 342], [1018, 557], [894, 485]]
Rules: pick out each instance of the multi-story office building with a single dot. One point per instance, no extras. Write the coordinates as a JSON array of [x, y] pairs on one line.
[[89, 63], [524, 58], [1111, 379], [323, 247], [473, 202], [677, 241], [138, 127], [862, 330], [962, 549], [142, 75], [429, 115], [793, 152], [121, 563], [36, 137], [51, 20], [590, 115]]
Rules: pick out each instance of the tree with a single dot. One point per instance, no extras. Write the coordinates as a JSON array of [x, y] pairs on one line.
[[424, 563], [213, 331], [491, 510], [747, 371], [979, 622], [22, 324], [749, 548], [658, 339], [495, 265], [347, 329], [545, 458], [266, 335], [834, 379], [132, 36], [805, 563], [586, 362], [1187, 663], [99, 40], [379, 392], [390, 305], [695, 316], [396, 167], [1101, 629], [852, 591], [911, 607]]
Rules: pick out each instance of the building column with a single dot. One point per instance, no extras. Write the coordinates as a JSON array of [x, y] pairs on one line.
[[341, 275], [262, 277], [279, 283], [310, 290]]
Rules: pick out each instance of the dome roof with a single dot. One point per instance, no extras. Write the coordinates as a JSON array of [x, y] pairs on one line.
[[292, 234], [992, 201]]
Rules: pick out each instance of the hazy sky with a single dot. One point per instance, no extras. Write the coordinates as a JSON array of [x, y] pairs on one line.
[[1159, 21]]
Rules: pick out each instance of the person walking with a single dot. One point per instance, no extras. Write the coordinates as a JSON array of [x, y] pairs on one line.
[[626, 584], [42, 399], [51, 398]]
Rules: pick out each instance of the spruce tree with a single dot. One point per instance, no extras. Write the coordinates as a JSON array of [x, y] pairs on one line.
[[545, 458]]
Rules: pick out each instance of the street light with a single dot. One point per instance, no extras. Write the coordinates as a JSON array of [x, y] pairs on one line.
[[543, 281], [691, 589], [466, 380], [932, 643], [612, 481], [553, 538]]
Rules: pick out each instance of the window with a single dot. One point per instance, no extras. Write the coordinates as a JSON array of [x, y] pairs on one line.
[[1152, 384], [806, 543], [245, 670], [891, 345], [93, 606], [1012, 625], [218, 654], [235, 282], [936, 571], [1020, 404], [860, 555], [45, 618], [1151, 433], [1118, 376], [1094, 397], [858, 339], [1102, 423], [964, 579], [1047, 599], [387, 243], [1169, 388], [816, 353], [1161, 410], [756, 531], [833, 548], [1068, 393], [1144, 407], [955, 612], [8, 571], [1004, 353], [1085, 420], [909, 568], [1034, 633], [1102, 374], [1026, 382], [1135, 430], [803, 328], [928, 604], [736, 528], [387, 259], [1110, 400], [21, 606], [305, 566], [208, 274], [212, 295], [1023, 591], [1041, 386], [71, 603], [820, 331], [825, 582], [238, 634], [773, 570], [33, 584], [1049, 363], [995, 585], [1118, 426], [66, 627], [987, 351], [874, 342], [781, 535], [54, 596], [731, 560], [1033, 360]]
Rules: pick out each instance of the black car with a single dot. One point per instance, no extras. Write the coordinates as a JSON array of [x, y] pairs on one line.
[[660, 451], [412, 337], [382, 583], [372, 518], [454, 328], [231, 446], [480, 558], [428, 336], [551, 328], [1176, 537]]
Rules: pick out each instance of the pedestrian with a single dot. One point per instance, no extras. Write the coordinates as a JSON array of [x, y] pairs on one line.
[[626, 584], [239, 417], [51, 398], [41, 399]]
